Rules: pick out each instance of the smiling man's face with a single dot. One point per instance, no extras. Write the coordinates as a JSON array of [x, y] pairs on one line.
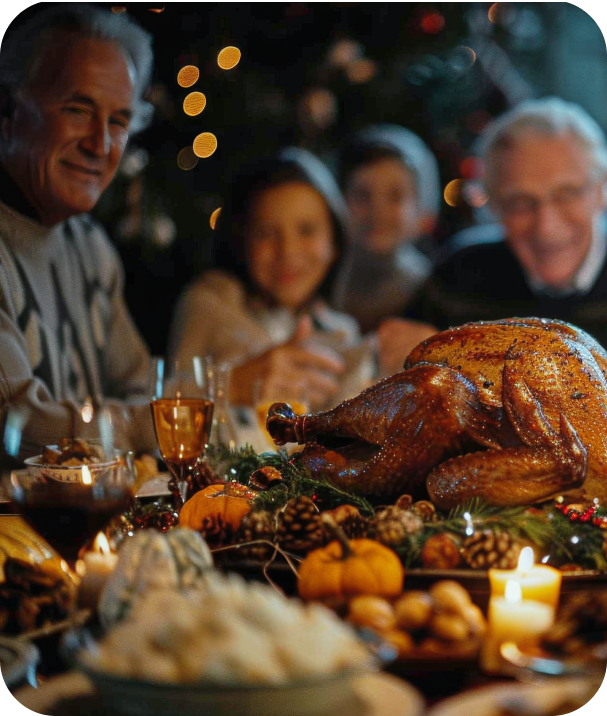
[[66, 136]]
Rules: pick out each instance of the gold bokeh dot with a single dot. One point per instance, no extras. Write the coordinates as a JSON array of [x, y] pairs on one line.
[[205, 144], [188, 76], [194, 103], [118, 9], [186, 159], [228, 58], [214, 217], [453, 192]]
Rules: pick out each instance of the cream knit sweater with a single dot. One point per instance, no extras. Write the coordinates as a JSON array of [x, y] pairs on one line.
[[66, 335]]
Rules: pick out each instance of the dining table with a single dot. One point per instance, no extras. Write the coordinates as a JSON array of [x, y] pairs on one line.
[[426, 685]]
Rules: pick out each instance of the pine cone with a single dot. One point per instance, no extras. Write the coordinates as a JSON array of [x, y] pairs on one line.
[[353, 524], [392, 525], [299, 527], [486, 549], [256, 526]]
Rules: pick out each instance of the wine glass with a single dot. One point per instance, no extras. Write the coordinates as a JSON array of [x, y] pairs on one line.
[[68, 504], [182, 410]]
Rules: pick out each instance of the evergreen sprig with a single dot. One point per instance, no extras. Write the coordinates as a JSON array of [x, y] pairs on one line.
[[542, 526], [240, 464]]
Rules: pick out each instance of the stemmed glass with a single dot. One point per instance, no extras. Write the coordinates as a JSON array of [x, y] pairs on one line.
[[70, 504], [182, 409]]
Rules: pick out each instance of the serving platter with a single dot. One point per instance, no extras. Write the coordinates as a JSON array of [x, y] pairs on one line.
[[532, 699]]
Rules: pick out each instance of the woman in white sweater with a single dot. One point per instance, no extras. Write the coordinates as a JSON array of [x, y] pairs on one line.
[[277, 244]]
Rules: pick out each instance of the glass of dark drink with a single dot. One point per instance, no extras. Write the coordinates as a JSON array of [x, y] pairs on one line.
[[182, 409], [69, 504]]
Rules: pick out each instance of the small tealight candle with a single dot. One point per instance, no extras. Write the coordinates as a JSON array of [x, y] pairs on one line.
[[539, 582], [95, 567], [513, 619]]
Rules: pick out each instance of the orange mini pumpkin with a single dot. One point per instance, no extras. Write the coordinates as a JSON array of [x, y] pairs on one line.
[[216, 511], [344, 569]]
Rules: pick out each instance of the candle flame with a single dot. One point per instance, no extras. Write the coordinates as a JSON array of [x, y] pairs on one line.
[[101, 544], [525, 560], [514, 592], [87, 478]]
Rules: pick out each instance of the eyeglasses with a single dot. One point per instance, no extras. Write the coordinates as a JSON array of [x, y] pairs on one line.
[[566, 199]]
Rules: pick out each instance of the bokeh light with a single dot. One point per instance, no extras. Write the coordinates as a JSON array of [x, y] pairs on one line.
[[118, 9], [188, 76], [432, 22], [506, 14], [462, 58], [204, 145], [453, 192], [343, 52], [228, 58], [214, 217], [158, 9], [194, 103], [318, 107], [471, 167], [474, 194], [186, 159], [361, 71]]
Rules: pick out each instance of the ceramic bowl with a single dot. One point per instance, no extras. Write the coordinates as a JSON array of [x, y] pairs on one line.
[[72, 473], [321, 695]]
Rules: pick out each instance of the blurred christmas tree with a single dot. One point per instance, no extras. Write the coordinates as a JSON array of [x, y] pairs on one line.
[[309, 74]]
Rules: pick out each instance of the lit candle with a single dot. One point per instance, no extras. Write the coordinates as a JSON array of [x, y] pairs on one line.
[[95, 567], [513, 619], [539, 582]]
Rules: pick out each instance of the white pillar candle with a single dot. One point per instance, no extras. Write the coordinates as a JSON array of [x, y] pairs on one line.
[[95, 567], [539, 582], [513, 619]]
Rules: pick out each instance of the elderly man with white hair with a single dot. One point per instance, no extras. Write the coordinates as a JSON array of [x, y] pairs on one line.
[[545, 172], [72, 80]]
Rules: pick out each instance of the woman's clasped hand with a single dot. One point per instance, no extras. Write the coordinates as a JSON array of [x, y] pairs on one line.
[[292, 367]]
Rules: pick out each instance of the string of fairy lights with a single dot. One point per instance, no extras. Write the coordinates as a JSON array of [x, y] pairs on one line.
[[205, 143]]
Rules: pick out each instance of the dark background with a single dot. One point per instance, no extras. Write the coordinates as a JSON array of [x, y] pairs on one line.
[[408, 63]]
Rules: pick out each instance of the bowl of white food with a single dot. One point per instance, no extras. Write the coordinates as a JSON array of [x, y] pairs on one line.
[[229, 647]]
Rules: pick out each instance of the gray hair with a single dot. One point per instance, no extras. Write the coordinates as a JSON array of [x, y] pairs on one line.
[[550, 116], [23, 49]]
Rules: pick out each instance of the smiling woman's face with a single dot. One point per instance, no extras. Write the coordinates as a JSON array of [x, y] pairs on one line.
[[68, 132], [290, 243]]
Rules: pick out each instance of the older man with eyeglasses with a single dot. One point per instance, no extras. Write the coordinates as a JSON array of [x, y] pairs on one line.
[[545, 172]]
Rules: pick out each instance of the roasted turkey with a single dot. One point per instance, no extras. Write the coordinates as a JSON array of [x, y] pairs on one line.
[[511, 411]]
